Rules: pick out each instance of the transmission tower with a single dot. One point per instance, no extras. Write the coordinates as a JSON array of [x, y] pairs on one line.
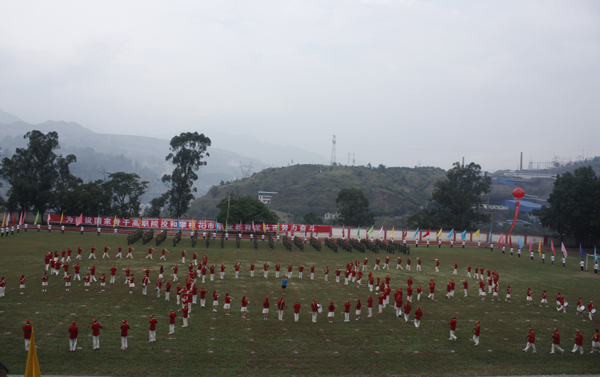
[[333, 151], [246, 169]]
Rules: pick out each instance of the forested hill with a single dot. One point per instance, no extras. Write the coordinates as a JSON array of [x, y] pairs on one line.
[[302, 188]]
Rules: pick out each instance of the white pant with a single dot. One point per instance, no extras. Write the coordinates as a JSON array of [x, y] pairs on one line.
[[167, 296], [112, 279], [476, 340], [556, 347], [185, 322], [27, 344], [530, 345], [72, 344], [296, 317], [266, 274], [171, 328], [129, 255], [577, 348], [152, 335], [452, 336], [280, 315], [376, 267], [417, 323], [277, 274], [399, 266], [123, 342], [96, 341], [314, 317], [370, 312]]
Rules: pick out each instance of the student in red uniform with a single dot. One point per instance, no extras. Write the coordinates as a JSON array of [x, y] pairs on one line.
[[476, 333], [595, 341], [277, 269], [2, 286], [453, 328], [280, 308], [152, 329], [22, 284], [215, 301], [297, 311], [172, 316], [45, 282], [186, 313], [370, 306], [578, 343], [347, 311], [331, 312], [27, 329], [407, 309], [92, 252], [418, 315], [556, 342], [227, 305], [530, 341], [96, 326], [315, 308], [244, 308], [251, 269], [266, 306], [124, 329], [73, 332]]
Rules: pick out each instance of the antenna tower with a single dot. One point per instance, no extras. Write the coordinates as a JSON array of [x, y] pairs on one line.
[[246, 169], [333, 151]]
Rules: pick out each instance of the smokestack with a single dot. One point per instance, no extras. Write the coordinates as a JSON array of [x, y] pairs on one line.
[[463, 162], [521, 166]]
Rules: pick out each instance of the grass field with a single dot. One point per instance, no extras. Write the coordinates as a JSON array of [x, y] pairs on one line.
[[215, 344]]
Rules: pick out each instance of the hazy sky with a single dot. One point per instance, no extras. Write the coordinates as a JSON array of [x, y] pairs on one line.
[[398, 82]]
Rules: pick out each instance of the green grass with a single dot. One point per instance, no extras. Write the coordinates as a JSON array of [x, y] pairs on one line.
[[216, 344]]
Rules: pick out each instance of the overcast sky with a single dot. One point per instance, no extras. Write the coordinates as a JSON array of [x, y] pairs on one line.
[[398, 82]]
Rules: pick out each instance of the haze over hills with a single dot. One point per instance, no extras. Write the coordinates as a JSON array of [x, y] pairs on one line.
[[99, 153]]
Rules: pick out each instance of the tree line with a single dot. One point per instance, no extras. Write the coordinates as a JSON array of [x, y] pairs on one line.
[[41, 180]]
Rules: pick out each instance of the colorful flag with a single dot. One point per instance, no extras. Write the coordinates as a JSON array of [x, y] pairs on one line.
[[501, 240], [563, 249], [216, 226], [98, 221], [530, 246], [416, 233], [7, 219], [381, 231], [490, 237], [48, 220], [358, 232], [439, 233], [521, 244], [510, 241], [463, 235], [226, 226], [14, 218], [61, 218], [37, 217], [21, 218], [264, 228], [428, 231], [193, 225], [140, 223], [3, 219], [278, 228], [178, 224], [32, 368], [552, 245], [343, 231], [404, 232], [392, 236], [540, 248], [79, 220], [595, 257], [293, 231], [370, 230], [476, 234], [581, 251], [451, 233], [114, 221]]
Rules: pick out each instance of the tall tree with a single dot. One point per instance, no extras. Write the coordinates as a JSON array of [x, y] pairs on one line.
[[574, 205], [126, 189], [311, 218], [34, 172], [353, 207], [455, 201], [245, 209], [187, 151]]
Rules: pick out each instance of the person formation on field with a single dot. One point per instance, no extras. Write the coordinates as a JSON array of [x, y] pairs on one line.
[[402, 301]]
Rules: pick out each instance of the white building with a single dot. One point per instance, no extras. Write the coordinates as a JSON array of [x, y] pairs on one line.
[[265, 196]]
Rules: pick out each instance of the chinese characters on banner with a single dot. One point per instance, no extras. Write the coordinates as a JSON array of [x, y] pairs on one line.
[[201, 225]]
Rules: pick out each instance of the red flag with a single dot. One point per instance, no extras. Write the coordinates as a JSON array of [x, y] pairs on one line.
[[79, 220], [331, 232], [514, 218], [14, 218], [552, 244], [292, 229], [343, 231], [404, 232], [530, 246], [305, 230], [159, 222], [510, 242], [426, 234], [501, 241]]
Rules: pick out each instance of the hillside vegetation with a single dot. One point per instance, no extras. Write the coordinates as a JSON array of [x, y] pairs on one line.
[[392, 192]]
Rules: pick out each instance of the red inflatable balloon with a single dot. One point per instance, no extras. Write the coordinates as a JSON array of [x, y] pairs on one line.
[[518, 193]]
